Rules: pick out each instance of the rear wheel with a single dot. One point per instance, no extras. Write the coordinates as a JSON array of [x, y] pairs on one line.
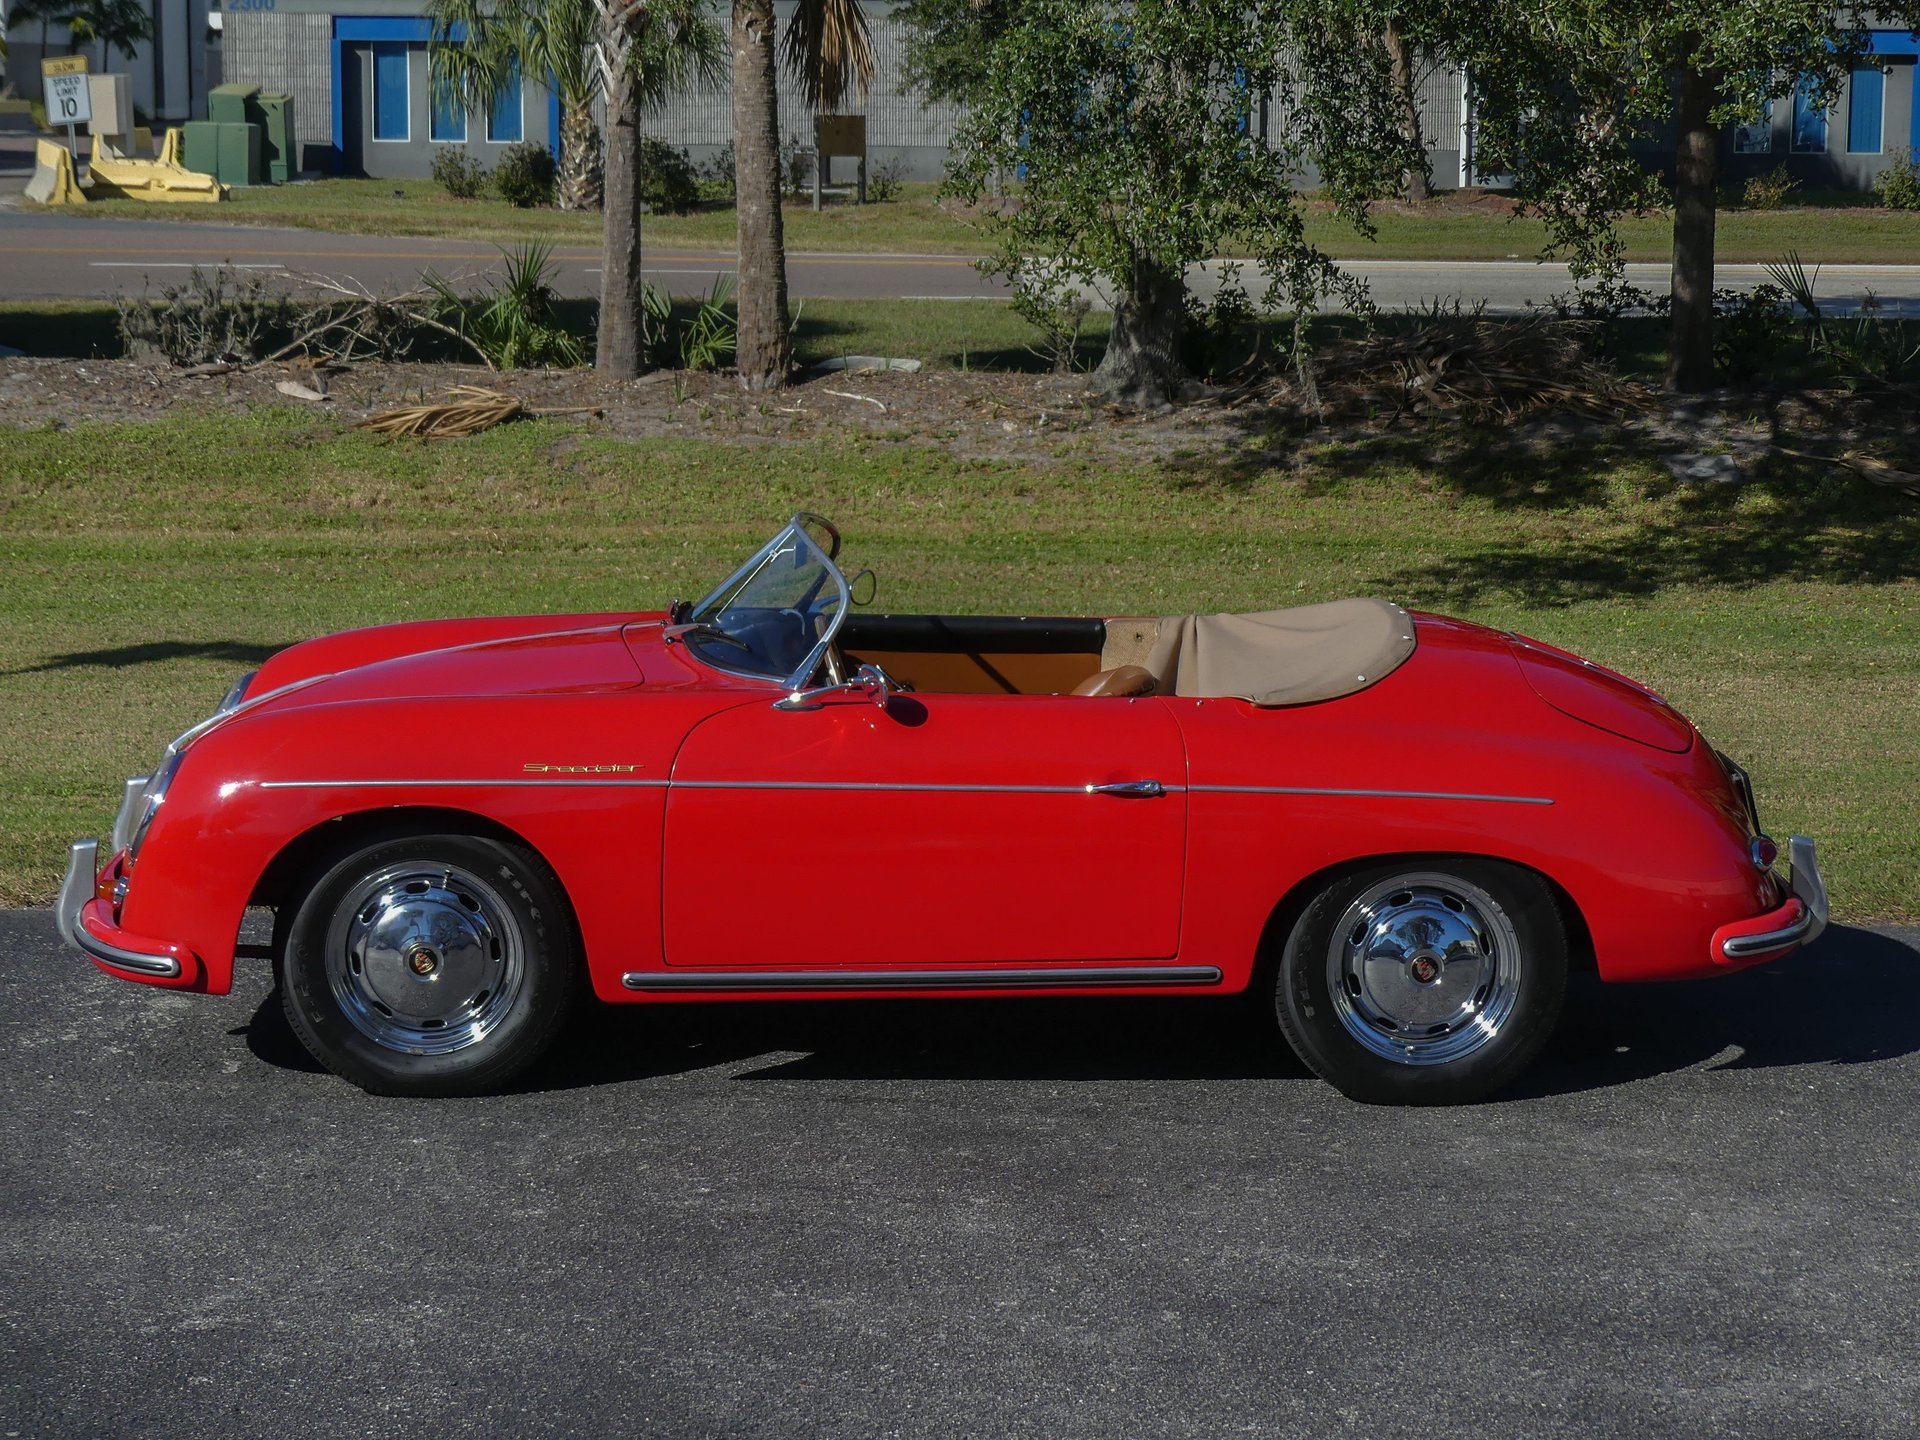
[[1424, 983], [430, 965]]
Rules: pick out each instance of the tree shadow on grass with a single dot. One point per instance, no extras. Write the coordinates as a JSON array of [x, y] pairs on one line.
[[1792, 518], [1798, 521], [118, 657]]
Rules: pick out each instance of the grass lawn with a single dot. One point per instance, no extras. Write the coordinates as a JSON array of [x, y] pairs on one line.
[[916, 223], [142, 566]]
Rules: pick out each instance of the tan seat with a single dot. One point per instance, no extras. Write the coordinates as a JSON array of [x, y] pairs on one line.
[[1125, 680]]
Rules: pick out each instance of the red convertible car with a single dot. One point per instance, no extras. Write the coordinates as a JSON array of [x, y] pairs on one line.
[[1401, 831]]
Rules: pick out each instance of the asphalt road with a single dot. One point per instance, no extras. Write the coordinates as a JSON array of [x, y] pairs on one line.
[[1134, 1218], [46, 256]]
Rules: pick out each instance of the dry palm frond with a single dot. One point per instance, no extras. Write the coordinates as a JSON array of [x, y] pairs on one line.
[[829, 51], [471, 410]]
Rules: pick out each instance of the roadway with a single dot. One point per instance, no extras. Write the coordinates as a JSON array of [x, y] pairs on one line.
[[1695, 1219], [49, 256]]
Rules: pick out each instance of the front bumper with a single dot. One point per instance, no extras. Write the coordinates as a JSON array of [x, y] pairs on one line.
[[87, 923], [1797, 922]]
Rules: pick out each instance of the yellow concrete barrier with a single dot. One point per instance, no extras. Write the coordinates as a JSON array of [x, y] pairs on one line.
[[161, 180], [54, 181]]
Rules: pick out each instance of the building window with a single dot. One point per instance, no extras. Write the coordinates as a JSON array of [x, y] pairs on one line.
[[503, 116], [447, 121], [390, 91], [1755, 137], [1809, 120], [1866, 101]]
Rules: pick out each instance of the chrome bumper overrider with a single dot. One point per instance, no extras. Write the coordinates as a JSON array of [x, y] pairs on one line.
[[131, 797], [76, 891], [1803, 879]]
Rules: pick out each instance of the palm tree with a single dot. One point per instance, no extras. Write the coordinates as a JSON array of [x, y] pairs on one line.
[[645, 50], [481, 47], [116, 24], [830, 54]]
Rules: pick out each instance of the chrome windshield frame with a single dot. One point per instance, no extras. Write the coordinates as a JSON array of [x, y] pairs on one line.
[[796, 526]]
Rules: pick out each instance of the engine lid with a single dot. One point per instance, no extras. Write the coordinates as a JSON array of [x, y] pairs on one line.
[[1603, 698]]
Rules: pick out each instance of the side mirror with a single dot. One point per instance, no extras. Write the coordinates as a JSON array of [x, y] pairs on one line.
[[863, 587], [869, 680]]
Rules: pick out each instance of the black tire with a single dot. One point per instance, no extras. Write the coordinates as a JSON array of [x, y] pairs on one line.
[[495, 931], [1514, 969]]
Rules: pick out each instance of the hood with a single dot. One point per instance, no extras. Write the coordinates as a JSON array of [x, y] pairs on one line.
[[521, 655], [1600, 697]]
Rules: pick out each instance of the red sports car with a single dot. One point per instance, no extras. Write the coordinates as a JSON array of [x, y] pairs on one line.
[[1402, 831]]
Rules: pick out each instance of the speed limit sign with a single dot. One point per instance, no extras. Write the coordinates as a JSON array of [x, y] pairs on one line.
[[66, 90]]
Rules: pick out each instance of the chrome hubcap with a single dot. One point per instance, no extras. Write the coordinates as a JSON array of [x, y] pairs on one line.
[[1423, 969], [424, 959]]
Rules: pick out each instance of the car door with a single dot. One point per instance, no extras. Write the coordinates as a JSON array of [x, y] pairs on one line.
[[936, 830]]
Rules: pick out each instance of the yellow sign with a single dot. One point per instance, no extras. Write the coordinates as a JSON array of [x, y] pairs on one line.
[[64, 65]]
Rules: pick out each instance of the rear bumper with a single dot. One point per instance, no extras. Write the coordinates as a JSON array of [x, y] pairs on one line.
[[1797, 922], [87, 924]]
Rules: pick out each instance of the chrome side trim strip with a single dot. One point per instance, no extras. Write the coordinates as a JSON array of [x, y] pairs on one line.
[[456, 784], [930, 787], [1367, 794], [1141, 977], [904, 787]]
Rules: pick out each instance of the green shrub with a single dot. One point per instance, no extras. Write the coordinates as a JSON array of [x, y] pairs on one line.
[[669, 185], [512, 320], [717, 176], [884, 179], [1768, 191], [458, 173], [525, 175], [1899, 184]]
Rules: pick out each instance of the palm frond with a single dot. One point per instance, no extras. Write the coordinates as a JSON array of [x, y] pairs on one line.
[[829, 51]]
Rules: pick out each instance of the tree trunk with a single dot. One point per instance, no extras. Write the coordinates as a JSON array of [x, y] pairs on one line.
[[1414, 182], [618, 352], [764, 351], [582, 167], [1695, 176], [1141, 366]]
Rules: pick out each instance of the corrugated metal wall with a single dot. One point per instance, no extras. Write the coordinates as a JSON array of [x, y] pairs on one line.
[[292, 54], [704, 116]]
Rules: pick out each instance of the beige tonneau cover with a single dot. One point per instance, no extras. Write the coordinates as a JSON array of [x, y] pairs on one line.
[[1282, 657]]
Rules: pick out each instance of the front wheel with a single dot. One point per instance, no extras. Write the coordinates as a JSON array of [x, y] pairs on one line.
[[430, 965], [1424, 983]]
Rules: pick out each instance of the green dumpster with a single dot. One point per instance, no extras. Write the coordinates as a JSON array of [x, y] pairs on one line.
[[227, 104]]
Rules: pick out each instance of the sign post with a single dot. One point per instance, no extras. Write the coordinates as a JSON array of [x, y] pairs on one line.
[[64, 84]]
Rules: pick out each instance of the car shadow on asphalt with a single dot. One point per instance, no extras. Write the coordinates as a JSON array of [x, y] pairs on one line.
[[1848, 1000]]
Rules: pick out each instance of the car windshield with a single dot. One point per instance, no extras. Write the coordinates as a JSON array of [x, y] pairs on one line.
[[775, 617]]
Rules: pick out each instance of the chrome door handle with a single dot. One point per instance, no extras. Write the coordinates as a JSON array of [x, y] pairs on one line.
[[1130, 789]]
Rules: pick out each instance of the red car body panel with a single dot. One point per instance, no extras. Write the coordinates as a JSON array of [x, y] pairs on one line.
[[946, 830]]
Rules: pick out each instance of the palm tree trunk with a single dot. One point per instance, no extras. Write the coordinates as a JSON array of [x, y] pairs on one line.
[[582, 167], [764, 352], [622, 290]]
